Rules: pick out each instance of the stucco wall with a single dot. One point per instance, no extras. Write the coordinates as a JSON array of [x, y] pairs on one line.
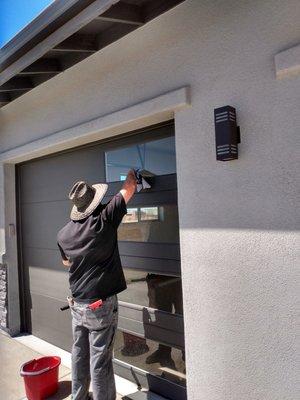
[[238, 219]]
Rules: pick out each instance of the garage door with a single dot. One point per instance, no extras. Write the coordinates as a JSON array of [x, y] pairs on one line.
[[149, 346]]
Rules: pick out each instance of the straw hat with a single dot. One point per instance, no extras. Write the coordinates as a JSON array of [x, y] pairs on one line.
[[85, 198]]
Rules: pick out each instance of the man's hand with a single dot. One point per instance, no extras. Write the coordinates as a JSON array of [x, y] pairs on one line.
[[66, 263], [129, 186]]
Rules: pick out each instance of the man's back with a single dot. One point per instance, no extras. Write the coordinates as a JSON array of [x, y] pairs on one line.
[[91, 247]]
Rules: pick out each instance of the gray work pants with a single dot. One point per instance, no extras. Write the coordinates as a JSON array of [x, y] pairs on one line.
[[92, 351]]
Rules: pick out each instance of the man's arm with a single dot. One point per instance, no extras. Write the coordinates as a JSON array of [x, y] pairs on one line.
[[129, 186], [64, 258]]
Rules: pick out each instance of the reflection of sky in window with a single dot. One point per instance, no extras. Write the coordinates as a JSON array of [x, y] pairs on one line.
[[157, 157], [16, 14]]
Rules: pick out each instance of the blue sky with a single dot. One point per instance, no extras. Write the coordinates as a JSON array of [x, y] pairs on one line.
[[15, 14]]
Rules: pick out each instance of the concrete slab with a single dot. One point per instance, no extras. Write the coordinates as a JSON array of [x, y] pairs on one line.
[[43, 347], [64, 391], [13, 355], [124, 387]]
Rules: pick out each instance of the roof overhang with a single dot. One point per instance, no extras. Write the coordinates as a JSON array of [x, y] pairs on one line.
[[64, 34]]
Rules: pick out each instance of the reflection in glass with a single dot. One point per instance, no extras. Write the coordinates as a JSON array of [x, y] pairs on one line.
[[167, 362], [149, 214], [165, 229], [152, 290], [157, 156], [163, 293], [159, 292], [131, 216]]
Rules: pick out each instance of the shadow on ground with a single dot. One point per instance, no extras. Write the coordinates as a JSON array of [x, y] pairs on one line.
[[64, 391]]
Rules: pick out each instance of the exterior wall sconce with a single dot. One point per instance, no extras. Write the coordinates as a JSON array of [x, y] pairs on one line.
[[227, 133]]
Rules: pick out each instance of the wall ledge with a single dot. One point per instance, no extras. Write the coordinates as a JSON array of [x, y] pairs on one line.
[[137, 116], [287, 63]]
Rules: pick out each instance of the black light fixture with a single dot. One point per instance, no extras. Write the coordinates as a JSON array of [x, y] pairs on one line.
[[227, 133]]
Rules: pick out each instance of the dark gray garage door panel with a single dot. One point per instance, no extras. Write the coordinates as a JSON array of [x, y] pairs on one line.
[[50, 179], [44, 258], [41, 222], [50, 324], [44, 187], [43, 280]]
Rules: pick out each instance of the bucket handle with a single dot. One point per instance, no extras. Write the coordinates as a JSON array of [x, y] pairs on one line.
[[24, 373]]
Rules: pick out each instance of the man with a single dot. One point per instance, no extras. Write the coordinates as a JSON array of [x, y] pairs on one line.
[[89, 248]]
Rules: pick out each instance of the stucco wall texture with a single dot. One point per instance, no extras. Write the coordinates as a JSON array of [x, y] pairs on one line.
[[239, 237]]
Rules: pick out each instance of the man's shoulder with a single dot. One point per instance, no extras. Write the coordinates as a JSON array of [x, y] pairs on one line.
[[65, 230]]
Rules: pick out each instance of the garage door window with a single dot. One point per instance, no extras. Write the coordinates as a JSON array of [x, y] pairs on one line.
[[151, 356], [157, 224], [157, 291], [157, 156]]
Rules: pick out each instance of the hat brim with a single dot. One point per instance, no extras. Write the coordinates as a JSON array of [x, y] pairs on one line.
[[80, 213]]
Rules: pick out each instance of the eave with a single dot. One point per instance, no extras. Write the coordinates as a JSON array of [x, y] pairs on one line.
[[67, 32]]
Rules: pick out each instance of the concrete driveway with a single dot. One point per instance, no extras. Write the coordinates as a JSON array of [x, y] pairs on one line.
[[13, 354]]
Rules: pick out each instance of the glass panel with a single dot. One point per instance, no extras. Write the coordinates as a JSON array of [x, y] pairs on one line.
[[152, 290], [157, 157], [151, 356], [149, 214], [131, 216], [148, 228]]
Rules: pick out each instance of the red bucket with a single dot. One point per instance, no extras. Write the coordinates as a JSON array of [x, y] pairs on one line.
[[40, 377]]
